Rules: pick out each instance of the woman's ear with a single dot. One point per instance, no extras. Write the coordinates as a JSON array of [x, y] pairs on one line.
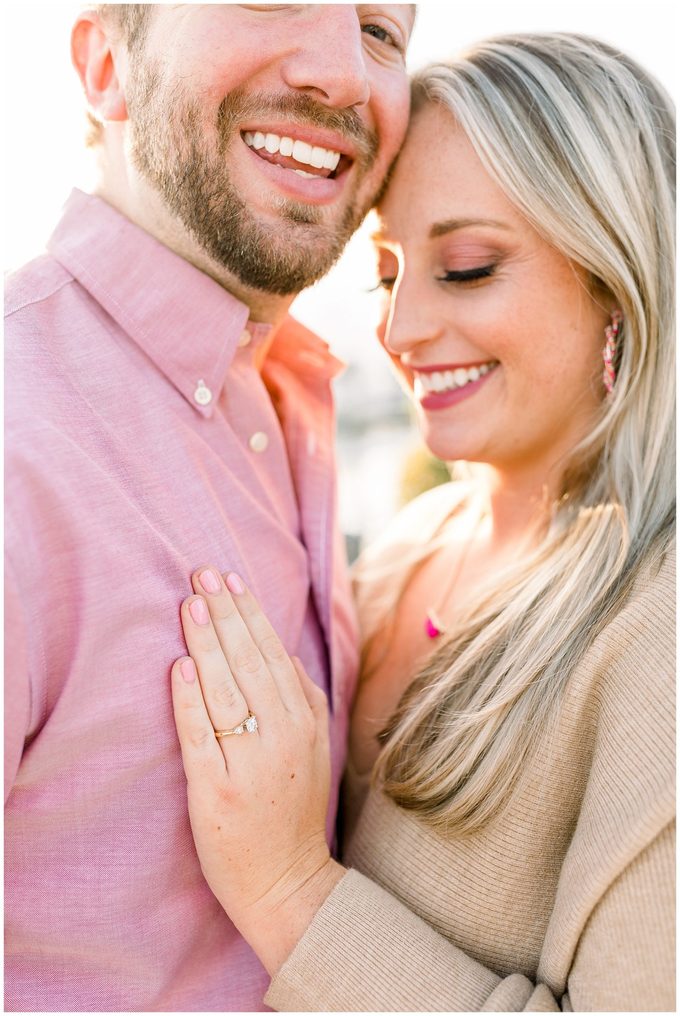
[[93, 58]]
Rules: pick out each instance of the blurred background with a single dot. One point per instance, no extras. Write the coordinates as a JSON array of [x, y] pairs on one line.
[[382, 461]]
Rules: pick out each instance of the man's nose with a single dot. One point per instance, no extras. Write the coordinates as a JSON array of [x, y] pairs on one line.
[[330, 64]]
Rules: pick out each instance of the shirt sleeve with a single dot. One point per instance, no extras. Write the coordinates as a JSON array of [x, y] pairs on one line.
[[17, 686], [365, 951]]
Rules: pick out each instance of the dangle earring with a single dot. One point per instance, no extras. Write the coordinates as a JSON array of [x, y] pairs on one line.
[[609, 352]]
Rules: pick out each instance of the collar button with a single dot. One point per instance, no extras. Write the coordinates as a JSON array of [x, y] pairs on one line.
[[244, 338], [202, 395]]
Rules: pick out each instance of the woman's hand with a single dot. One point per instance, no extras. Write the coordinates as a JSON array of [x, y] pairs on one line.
[[257, 800]]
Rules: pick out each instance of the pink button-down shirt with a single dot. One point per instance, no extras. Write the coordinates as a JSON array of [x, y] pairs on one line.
[[142, 442]]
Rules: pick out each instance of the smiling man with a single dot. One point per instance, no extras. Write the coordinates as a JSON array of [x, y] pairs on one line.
[[165, 410]]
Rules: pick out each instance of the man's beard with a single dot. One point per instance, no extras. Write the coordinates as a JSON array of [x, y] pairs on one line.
[[175, 152]]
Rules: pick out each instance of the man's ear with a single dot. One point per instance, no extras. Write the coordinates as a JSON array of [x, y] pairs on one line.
[[93, 58]]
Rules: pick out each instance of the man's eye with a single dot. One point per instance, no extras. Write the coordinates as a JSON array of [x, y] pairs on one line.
[[382, 35]]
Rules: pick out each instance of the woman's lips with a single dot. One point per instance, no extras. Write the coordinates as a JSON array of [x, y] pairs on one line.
[[451, 396]]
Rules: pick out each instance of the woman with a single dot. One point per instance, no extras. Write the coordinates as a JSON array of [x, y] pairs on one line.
[[509, 807]]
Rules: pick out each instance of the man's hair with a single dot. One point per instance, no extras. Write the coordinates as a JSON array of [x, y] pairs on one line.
[[130, 20], [127, 23]]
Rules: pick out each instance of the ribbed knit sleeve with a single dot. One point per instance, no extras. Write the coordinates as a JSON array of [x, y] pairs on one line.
[[366, 952], [626, 954], [607, 920]]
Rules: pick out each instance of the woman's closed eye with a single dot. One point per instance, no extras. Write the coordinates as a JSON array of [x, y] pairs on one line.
[[468, 275], [463, 276]]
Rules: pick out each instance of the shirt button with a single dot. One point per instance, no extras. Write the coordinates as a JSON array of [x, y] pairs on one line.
[[244, 338], [202, 395], [259, 441]]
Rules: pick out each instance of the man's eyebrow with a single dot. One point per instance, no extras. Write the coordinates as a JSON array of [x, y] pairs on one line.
[[450, 225]]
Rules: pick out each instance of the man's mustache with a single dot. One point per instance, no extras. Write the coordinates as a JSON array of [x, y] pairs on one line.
[[301, 110]]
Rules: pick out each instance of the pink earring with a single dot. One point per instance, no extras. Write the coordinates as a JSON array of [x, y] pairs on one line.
[[609, 352]]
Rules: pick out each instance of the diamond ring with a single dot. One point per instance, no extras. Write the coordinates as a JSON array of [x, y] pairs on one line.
[[246, 726]]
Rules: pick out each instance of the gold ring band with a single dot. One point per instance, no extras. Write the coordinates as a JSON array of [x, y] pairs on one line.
[[246, 726]]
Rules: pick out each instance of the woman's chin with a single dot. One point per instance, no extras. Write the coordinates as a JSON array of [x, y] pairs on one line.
[[446, 446]]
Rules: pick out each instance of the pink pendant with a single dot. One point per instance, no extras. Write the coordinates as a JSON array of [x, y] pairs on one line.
[[432, 630]]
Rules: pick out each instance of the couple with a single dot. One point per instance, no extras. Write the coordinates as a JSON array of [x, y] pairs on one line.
[[508, 802]]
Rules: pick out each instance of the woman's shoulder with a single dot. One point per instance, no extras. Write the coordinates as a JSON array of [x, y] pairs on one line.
[[634, 654], [643, 629], [626, 684]]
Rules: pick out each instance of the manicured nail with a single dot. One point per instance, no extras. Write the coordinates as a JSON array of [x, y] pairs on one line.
[[188, 668], [199, 611], [209, 581], [234, 584]]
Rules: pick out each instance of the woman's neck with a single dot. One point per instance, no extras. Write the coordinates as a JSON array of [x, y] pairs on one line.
[[516, 504]]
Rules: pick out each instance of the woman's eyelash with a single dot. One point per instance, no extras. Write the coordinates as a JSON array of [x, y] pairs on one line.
[[468, 274], [381, 284], [465, 275]]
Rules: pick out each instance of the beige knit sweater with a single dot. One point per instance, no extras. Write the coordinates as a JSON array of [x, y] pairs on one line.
[[565, 903]]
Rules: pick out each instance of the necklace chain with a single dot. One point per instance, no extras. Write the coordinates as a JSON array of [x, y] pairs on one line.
[[434, 626]]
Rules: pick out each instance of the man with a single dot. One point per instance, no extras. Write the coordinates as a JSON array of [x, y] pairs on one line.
[[163, 411]]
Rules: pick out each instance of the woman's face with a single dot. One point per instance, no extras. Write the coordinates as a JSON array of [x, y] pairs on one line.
[[495, 332]]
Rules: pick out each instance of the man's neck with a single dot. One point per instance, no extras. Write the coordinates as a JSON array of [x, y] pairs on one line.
[[150, 215]]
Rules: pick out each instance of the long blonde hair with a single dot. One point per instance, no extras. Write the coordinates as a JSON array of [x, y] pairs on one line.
[[580, 139]]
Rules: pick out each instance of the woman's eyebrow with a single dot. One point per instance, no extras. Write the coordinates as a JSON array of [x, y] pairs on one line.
[[450, 225], [446, 226]]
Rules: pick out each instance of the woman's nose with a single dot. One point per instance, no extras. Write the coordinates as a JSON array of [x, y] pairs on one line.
[[410, 323]]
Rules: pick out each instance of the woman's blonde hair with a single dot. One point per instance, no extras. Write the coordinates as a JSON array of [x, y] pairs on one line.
[[581, 140]]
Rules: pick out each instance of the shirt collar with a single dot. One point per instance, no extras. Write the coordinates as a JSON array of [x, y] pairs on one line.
[[303, 352], [183, 320]]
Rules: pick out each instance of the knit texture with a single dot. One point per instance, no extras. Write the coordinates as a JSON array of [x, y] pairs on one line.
[[564, 902]]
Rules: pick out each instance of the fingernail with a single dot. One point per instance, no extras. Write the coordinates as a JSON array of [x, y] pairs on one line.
[[209, 581], [199, 611], [188, 668], [234, 584]]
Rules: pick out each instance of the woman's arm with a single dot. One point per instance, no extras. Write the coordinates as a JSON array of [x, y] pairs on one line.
[[366, 951], [334, 940]]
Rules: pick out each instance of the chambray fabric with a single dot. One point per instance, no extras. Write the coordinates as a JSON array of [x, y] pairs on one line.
[[118, 484]]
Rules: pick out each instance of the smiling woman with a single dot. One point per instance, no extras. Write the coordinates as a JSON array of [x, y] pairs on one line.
[[485, 315]]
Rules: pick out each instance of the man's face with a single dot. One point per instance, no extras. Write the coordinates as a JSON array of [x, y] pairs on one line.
[[268, 130]]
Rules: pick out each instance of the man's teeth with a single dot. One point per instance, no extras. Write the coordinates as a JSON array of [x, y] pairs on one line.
[[449, 380], [310, 155]]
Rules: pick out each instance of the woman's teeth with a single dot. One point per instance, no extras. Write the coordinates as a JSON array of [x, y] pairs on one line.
[[449, 380], [301, 151]]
